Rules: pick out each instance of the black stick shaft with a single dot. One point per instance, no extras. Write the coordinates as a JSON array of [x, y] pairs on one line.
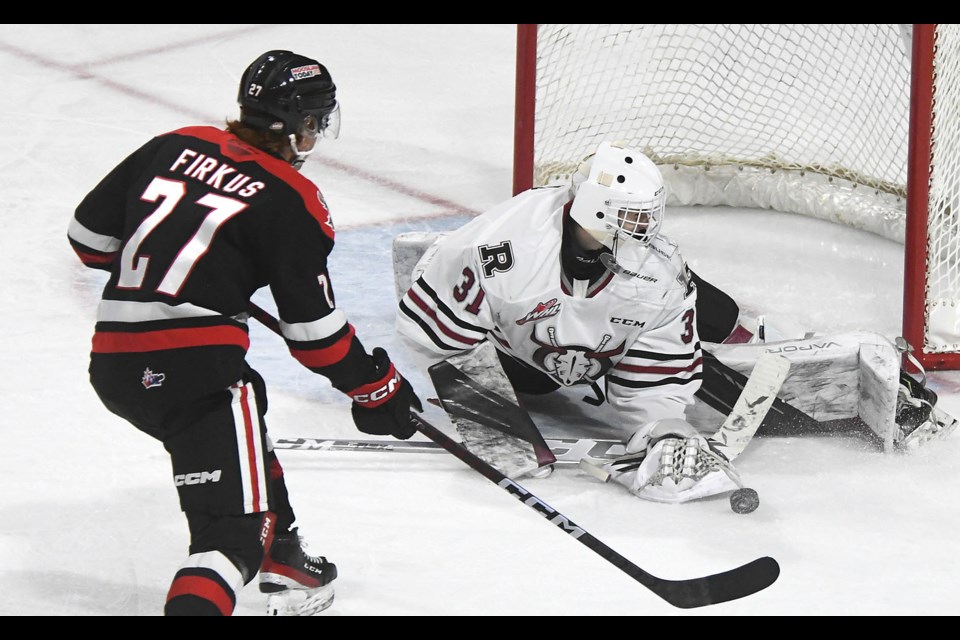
[[686, 594], [526, 497]]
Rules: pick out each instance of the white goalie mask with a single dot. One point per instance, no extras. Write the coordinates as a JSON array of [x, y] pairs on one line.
[[619, 200]]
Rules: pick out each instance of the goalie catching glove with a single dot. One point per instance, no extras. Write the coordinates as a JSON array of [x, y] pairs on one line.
[[669, 461], [382, 406]]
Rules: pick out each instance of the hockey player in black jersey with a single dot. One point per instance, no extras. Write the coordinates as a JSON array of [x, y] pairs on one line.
[[189, 226]]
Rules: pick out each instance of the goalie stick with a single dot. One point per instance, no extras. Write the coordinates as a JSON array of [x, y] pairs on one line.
[[758, 395], [723, 385], [727, 387], [689, 593], [731, 438]]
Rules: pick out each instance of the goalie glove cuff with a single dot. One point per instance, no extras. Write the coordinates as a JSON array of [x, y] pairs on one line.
[[647, 435], [672, 469]]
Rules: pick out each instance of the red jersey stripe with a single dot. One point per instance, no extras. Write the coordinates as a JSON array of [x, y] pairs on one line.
[[436, 320], [659, 370], [328, 355], [130, 342], [89, 258]]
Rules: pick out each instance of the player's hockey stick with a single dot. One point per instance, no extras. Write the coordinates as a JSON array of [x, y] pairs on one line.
[[685, 594], [265, 318]]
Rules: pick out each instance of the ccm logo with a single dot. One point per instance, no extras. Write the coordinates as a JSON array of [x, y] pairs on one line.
[[265, 528], [196, 478], [627, 321], [379, 395]]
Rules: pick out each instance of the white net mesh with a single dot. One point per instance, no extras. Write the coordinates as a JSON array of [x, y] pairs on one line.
[[943, 240], [792, 117]]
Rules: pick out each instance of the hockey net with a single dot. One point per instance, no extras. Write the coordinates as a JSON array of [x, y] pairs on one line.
[[819, 119]]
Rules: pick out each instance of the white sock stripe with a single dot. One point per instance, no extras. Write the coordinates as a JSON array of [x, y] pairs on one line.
[[219, 564], [251, 460]]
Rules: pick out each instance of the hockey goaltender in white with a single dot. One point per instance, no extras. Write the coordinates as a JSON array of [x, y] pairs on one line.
[[576, 285]]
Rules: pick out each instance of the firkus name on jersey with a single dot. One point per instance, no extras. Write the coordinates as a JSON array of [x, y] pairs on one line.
[[214, 174]]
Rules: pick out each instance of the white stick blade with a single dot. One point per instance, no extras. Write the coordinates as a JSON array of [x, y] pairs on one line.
[[751, 407]]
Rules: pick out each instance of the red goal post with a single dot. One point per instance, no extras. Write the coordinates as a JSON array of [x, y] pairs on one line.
[[854, 123]]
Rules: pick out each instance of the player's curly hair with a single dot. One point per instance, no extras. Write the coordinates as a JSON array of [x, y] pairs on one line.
[[270, 141]]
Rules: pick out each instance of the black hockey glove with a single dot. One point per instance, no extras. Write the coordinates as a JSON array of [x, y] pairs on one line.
[[382, 407]]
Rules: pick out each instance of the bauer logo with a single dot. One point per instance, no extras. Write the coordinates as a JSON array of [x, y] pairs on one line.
[[306, 71], [199, 477]]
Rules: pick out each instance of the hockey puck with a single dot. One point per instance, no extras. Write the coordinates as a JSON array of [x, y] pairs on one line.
[[744, 500]]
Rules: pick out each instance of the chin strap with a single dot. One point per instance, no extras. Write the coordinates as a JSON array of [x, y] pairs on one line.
[[299, 156]]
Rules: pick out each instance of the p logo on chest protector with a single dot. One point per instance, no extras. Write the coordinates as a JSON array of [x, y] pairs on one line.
[[498, 257]]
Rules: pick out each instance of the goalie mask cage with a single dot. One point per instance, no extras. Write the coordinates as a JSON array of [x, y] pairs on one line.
[[853, 123]]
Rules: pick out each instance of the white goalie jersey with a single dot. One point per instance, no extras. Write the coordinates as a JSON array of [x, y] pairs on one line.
[[499, 277]]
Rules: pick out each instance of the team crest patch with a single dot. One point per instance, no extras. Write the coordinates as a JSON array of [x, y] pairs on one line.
[[542, 310], [151, 379], [571, 364]]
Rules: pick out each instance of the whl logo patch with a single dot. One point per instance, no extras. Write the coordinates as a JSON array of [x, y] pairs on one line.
[[151, 379], [542, 310]]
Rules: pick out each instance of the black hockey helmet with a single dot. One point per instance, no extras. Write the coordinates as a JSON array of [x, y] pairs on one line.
[[285, 92]]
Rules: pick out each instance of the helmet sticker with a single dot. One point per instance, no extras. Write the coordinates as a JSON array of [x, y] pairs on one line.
[[307, 71]]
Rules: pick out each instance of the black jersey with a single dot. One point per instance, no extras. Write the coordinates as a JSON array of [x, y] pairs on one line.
[[190, 226]]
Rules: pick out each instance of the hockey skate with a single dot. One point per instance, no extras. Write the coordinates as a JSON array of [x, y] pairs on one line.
[[297, 584], [918, 418]]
